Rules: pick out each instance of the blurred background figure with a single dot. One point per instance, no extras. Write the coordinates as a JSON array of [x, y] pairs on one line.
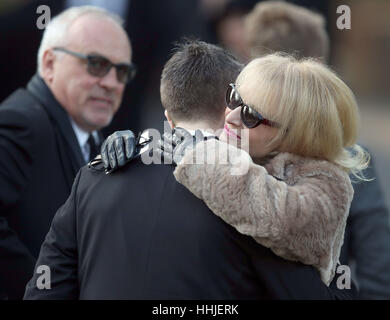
[[359, 55], [227, 23], [280, 26]]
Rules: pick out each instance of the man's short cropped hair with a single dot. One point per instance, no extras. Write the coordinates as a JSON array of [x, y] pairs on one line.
[[274, 26], [195, 79]]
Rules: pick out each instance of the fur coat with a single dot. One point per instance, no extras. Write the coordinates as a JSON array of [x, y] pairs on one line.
[[295, 206]]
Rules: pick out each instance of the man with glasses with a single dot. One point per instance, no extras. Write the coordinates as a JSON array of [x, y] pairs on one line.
[[136, 233], [51, 128]]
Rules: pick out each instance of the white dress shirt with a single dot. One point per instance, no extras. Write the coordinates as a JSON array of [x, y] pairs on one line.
[[82, 138]]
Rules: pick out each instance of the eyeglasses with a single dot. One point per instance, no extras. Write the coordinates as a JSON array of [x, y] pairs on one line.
[[249, 116], [99, 66]]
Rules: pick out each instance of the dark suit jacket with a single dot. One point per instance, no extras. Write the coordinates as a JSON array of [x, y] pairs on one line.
[[138, 234], [39, 158]]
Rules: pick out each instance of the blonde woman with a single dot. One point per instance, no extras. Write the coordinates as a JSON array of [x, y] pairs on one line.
[[294, 198]]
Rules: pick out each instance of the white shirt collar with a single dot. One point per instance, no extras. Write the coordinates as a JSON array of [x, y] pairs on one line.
[[81, 135], [82, 138]]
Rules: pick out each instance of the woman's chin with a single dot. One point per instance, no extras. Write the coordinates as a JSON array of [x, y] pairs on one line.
[[230, 139]]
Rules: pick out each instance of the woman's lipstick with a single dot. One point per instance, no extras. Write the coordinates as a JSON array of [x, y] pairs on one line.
[[230, 132]]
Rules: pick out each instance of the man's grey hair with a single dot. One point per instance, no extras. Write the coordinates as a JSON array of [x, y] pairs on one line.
[[55, 33]]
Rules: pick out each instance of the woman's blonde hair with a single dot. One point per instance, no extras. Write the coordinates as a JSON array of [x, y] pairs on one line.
[[316, 110]]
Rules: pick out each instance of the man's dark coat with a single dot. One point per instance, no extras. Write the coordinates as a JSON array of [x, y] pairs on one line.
[[39, 158]]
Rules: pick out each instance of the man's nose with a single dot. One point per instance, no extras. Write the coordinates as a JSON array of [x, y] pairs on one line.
[[233, 117], [110, 80]]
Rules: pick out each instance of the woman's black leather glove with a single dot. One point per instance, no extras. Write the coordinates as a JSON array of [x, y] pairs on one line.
[[118, 148], [174, 146], [121, 146]]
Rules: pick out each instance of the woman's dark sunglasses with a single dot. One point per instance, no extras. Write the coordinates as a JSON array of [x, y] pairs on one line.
[[249, 116], [99, 66]]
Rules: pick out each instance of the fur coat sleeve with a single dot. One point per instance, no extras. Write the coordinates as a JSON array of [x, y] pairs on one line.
[[295, 206]]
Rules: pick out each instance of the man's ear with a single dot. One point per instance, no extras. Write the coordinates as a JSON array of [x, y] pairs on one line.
[[47, 64], [166, 114]]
